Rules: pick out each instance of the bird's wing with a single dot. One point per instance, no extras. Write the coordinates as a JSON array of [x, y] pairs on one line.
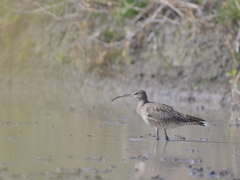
[[192, 118], [163, 112]]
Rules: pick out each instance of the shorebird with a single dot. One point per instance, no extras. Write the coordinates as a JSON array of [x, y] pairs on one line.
[[161, 116]]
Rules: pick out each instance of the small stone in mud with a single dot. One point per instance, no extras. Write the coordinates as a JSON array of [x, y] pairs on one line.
[[212, 174], [140, 157], [156, 178], [200, 175], [234, 125], [112, 166], [89, 135], [224, 173], [194, 151], [163, 159], [101, 159], [191, 161], [199, 172], [147, 135], [199, 160], [180, 137], [200, 169], [195, 171], [136, 169]]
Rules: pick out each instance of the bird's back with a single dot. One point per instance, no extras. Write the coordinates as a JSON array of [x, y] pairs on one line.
[[163, 116]]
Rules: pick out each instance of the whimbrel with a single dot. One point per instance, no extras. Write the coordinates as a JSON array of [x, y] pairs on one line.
[[161, 116]]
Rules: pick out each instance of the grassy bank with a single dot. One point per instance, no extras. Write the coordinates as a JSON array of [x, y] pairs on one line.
[[105, 37]]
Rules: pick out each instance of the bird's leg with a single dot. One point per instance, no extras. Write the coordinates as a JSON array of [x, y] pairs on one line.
[[166, 136], [157, 133]]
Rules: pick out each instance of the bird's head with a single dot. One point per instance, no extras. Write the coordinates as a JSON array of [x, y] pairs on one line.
[[139, 94]]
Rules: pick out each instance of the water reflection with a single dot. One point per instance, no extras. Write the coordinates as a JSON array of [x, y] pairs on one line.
[[78, 135]]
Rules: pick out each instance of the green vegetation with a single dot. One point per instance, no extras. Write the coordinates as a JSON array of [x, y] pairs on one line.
[[25, 52], [10, 19], [232, 75], [63, 59], [234, 81], [112, 35], [5, 7], [197, 1], [130, 7], [237, 56], [229, 12]]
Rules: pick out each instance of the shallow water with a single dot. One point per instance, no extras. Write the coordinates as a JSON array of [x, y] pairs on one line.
[[85, 136]]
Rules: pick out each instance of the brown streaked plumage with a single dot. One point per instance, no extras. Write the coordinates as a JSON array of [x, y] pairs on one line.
[[161, 116]]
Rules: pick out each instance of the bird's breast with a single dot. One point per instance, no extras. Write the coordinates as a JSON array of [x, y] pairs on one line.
[[140, 112], [145, 119]]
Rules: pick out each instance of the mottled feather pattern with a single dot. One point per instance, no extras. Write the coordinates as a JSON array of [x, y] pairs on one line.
[[164, 115]]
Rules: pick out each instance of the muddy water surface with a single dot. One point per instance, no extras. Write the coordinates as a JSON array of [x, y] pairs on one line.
[[85, 136]]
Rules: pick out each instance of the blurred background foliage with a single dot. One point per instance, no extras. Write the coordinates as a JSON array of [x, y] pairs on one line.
[[106, 36]]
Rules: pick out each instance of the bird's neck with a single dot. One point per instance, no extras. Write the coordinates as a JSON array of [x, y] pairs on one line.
[[142, 101], [140, 104]]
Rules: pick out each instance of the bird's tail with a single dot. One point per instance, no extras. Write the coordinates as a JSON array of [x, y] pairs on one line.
[[195, 121]]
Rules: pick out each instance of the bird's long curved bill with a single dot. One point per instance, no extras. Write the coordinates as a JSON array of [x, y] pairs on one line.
[[125, 95]]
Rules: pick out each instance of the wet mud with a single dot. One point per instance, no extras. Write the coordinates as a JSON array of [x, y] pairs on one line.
[[85, 136]]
